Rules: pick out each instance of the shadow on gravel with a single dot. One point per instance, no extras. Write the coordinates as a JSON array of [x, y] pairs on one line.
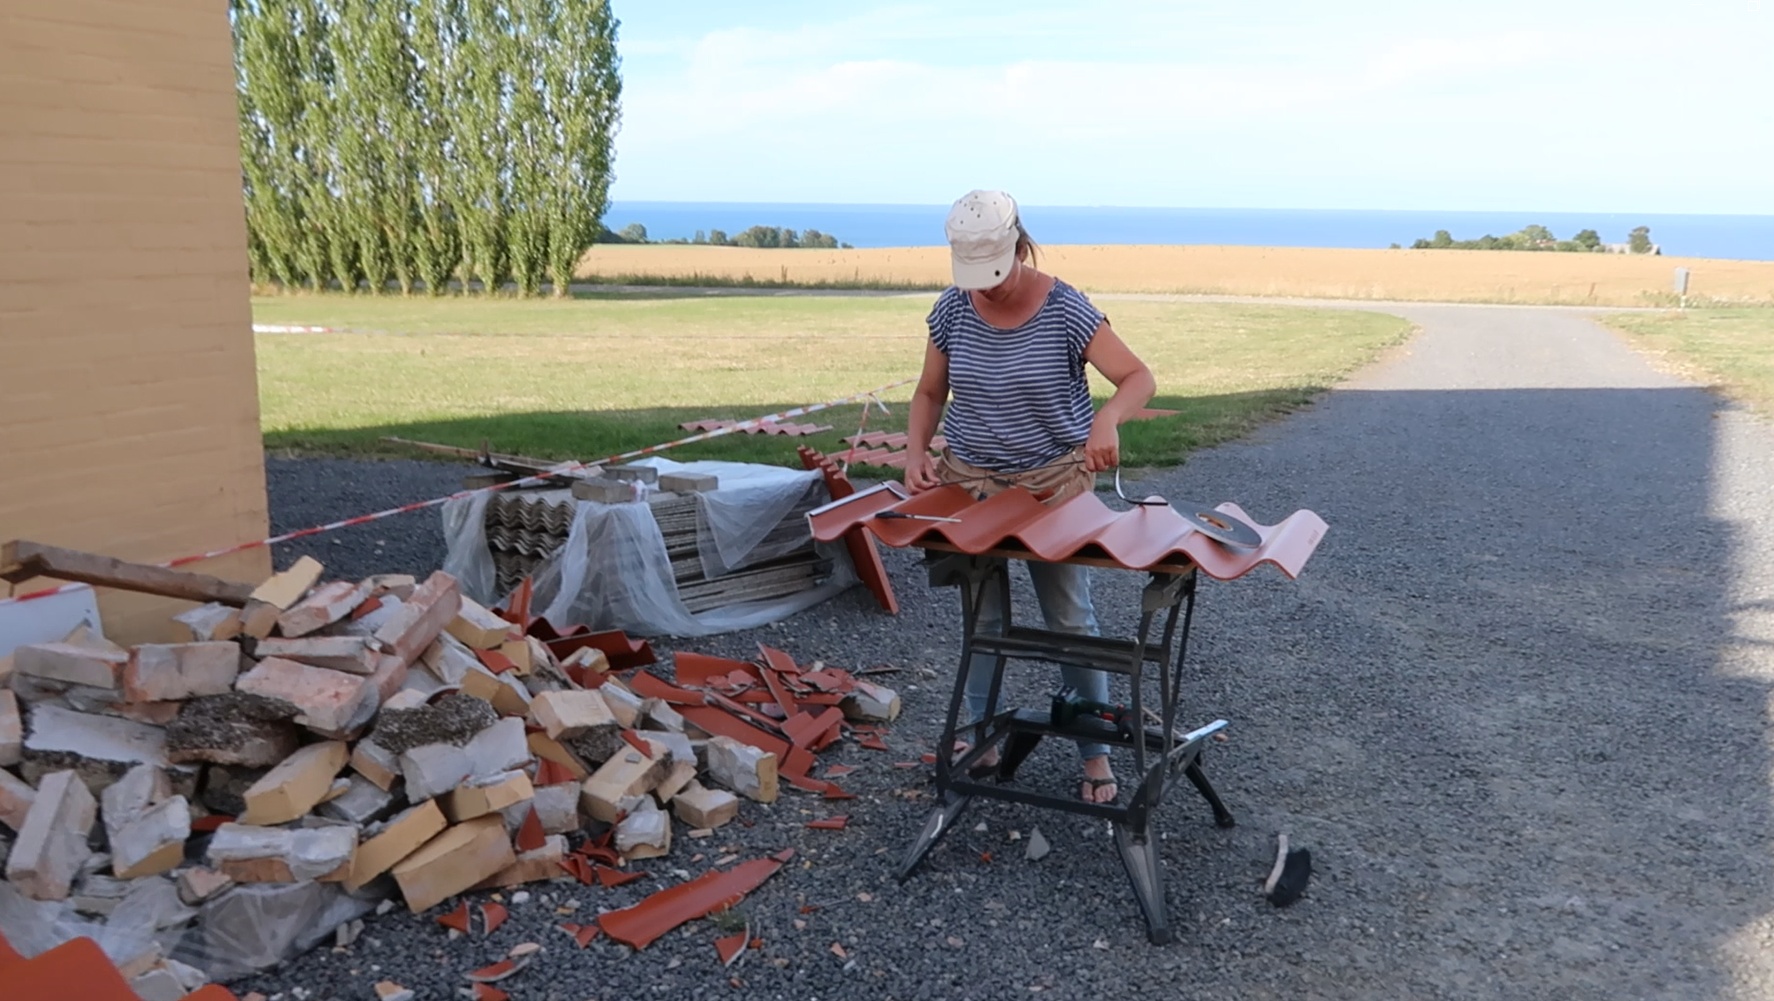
[[1493, 706]]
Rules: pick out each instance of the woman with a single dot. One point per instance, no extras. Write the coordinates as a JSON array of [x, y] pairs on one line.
[[1009, 344]]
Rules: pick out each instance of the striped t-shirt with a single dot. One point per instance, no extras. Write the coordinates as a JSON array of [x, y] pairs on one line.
[[1018, 398]]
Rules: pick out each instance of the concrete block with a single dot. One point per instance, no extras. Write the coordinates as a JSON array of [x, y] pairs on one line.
[[499, 748], [286, 588], [479, 797], [12, 730], [199, 883], [625, 776], [16, 798], [295, 786], [237, 729], [363, 803], [478, 627], [326, 605], [51, 844], [633, 473], [376, 763], [705, 809], [557, 807], [351, 654], [396, 840], [93, 666], [645, 833], [173, 672], [657, 714], [434, 769], [567, 714], [331, 703], [605, 490], [689, 483], [421, 618], [454, 861], [747, 770], [249, 854], [99, 739], [153, 842]]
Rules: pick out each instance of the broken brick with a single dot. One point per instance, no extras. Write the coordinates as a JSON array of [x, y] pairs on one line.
[[153, 842], [567, 714], [534, 866], [703, 808], [747, 770], [557, 808], [398, 839], [454, 861], [51, 845], [490, 795], [93, 666], [331, 703], [295, 786], [376, 763], [351, 654], [249, 854], [433, 605], [16, 798], [479, 628], [171, 672], [329, 603], [645, 833], [281, 590], [12, 732], [623, 777]]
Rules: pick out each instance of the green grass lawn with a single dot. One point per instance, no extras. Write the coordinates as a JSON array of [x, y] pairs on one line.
[[1732, 349], [591, 377]]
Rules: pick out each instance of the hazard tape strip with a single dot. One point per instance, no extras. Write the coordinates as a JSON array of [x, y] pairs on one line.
[[565, 467]]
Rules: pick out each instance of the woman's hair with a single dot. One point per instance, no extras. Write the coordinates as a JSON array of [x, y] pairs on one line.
[[1026, 250]]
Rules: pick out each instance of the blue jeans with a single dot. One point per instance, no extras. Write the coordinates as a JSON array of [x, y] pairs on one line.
[[1063, 591]]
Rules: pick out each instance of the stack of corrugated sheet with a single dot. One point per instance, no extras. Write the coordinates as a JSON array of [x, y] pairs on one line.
[[525, 527]]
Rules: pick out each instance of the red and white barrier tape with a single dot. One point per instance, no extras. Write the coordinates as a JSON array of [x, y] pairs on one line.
[[565, 467]]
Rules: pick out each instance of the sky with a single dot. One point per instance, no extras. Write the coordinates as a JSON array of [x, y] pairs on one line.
[[1487, 105]]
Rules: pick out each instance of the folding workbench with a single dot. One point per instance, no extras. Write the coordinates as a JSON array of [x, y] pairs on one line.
[[968, 544]]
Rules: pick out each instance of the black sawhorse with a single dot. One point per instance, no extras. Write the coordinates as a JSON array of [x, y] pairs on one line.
[[1159, 752]]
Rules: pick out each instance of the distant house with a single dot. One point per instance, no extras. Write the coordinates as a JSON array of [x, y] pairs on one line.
[[1626, 248]]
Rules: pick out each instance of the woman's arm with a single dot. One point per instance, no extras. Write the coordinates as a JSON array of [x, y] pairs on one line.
[[1134, 386], [927, 402]]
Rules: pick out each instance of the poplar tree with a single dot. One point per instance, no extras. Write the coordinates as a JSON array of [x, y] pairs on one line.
[[423, 140]]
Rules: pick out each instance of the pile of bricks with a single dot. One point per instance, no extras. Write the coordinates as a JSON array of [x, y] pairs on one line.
[[388, 736]]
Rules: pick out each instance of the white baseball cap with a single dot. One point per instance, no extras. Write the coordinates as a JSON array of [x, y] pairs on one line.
[[982, 233]]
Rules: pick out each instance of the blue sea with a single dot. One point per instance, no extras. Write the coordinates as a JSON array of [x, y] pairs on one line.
[[1734, 237]]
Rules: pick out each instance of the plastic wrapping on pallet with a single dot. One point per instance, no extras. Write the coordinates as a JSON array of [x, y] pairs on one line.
[[614, 569], [256, 926]]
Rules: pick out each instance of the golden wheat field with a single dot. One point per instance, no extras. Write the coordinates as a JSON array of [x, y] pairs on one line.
[[1416, 275]]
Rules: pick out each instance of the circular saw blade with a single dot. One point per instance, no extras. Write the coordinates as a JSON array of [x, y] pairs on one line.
[[1219, 526]]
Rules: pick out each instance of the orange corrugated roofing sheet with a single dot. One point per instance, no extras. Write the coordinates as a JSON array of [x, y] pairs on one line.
[[1152, 537]]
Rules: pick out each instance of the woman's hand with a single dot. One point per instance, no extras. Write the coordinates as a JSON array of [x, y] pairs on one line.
[[920, 473], [1102, 450]]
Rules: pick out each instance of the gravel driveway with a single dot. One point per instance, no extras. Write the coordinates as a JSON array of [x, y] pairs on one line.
[[1515, 706]]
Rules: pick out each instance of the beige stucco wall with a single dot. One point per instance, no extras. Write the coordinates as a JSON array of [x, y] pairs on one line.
[[129, 419]]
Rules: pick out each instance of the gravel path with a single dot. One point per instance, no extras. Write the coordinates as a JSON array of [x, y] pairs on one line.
[[1515, 706]]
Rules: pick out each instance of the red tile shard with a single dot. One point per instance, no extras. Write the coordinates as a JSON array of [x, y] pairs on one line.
[[640, 925]]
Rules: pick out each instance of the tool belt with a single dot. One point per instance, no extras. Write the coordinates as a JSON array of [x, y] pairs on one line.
[[1058, 481]]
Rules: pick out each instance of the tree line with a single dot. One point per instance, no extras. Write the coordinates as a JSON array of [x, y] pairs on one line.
[[755, 236], [1537, 238], [420, 142]]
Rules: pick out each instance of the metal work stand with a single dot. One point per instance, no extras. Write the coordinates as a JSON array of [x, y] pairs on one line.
[[1159, 752]]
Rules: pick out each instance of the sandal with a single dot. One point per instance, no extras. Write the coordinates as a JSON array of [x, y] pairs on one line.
[[981, 769], [1096, 785]]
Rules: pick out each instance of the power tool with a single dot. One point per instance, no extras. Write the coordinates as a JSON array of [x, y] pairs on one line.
[[1068, 705]]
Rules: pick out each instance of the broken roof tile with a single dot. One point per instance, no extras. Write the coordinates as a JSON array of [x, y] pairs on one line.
[[701, 669], [492, 916], [530, 835], [609, 876], [660, 912], [582, 934], [836, 823], [457, 919], [731, 947]]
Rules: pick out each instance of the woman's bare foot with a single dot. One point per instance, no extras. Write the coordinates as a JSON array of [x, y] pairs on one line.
[[987, 761], [1099, 781]]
